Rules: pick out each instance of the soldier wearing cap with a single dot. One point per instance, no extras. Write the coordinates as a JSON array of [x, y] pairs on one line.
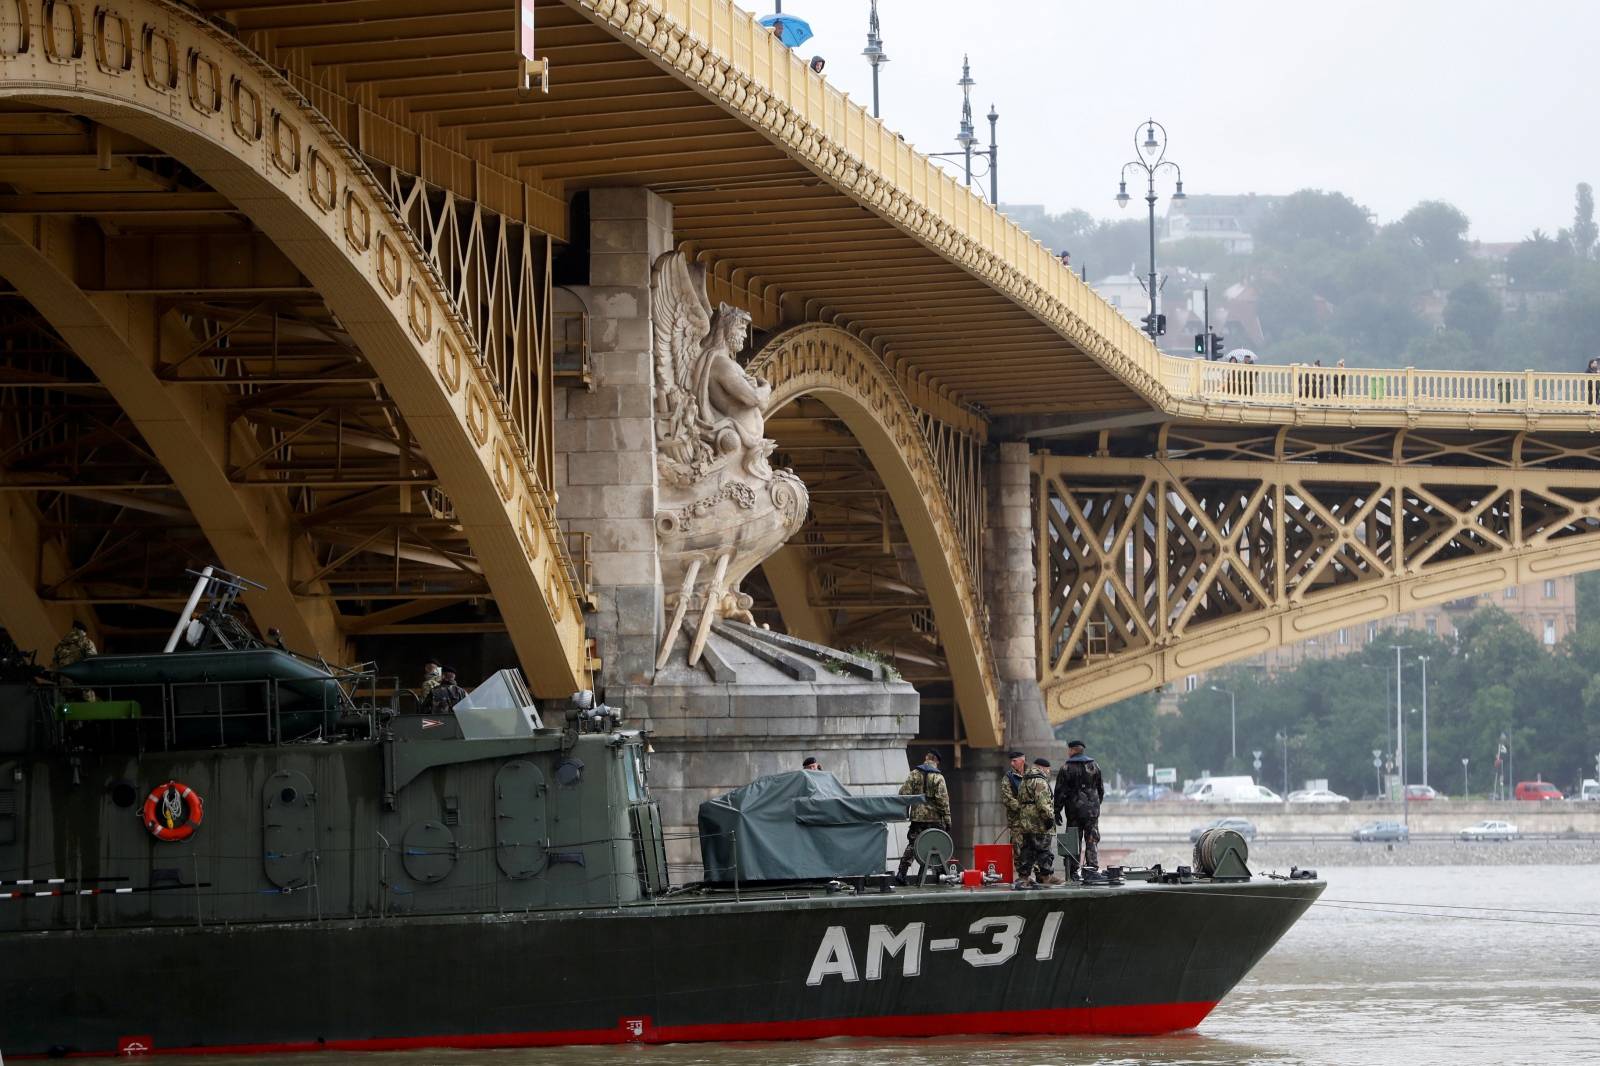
[[1080, 788], [926, 780], [1030, 839], [444, 695]]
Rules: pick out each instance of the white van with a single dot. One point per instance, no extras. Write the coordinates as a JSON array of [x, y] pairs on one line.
[[1233, 790], [1590, 790]]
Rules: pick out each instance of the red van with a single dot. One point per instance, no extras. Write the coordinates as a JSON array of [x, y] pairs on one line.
[[1537, 790]]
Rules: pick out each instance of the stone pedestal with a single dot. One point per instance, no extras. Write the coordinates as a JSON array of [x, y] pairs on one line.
[[757, 704]]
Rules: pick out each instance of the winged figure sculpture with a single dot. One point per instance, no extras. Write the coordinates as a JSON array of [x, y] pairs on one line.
[[721, 509]]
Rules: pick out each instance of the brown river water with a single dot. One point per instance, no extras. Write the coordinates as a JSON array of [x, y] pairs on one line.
[[1374, 974]]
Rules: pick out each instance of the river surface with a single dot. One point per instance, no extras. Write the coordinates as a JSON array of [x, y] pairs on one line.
[[1372, 975]]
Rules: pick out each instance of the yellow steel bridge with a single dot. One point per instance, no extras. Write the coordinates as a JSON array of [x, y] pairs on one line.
[[280, 289]]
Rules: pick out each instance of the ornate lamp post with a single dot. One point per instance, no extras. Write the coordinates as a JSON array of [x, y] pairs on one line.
[[874, 53], [1283, 736], [1423, 659], [1151, 158], [1463, 777], [966, 137]]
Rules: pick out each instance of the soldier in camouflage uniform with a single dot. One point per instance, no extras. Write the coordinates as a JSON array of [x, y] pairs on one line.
[[1030, 840], [431, 676], [1011, 796], [443, 696], [925, 780], [74, 648]]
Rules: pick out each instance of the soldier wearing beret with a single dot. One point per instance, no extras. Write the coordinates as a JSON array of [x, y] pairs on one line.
[[1080, 788]]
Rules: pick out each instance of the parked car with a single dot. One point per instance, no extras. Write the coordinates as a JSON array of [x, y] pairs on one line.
[[1421, 793], [1536, 790], [1489, 829], [1317, 795], [1377, 831], [1243, 826], [1589, 790]]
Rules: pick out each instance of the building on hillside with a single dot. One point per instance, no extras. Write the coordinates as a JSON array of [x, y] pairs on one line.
[[1126, 293], [1230, 220], [1547, 609]]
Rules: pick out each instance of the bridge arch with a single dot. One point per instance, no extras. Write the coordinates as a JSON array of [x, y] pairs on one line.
[[839, 370], [163, 74]]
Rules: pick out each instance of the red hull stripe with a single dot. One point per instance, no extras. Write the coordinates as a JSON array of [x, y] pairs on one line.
[[1140, 1020]]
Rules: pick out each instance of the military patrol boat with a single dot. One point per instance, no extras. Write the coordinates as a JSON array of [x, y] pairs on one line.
[[235, 849]]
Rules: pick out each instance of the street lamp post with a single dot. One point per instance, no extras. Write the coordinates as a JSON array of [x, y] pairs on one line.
[[1233, 719], [1400, 716], [1463, 777], [966, 137], [1377, 769], [1284, 737], [1423, 659], [1151, 158], [874, 53]]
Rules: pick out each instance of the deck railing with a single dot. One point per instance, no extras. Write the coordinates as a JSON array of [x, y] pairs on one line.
[[1409, 389]]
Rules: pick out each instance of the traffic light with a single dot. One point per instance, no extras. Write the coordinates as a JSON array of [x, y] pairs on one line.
[[1216, 346], [1148, 324], [1200, 345], [1161, 325]]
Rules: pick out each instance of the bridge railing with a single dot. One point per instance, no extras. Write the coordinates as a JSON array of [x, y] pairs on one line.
[[1380, 389]]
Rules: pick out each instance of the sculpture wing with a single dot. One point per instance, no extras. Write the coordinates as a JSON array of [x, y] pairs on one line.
[[680, 317]]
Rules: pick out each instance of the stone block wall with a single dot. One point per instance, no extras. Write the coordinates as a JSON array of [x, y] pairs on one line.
[[605, 438]]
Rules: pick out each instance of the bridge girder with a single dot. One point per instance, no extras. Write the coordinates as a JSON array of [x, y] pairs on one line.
[[202, 99], [1218, 543]]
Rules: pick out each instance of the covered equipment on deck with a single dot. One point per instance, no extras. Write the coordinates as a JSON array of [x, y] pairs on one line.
[[802, 825]]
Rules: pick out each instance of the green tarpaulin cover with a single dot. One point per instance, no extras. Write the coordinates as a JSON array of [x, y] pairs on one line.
[[802, 825]]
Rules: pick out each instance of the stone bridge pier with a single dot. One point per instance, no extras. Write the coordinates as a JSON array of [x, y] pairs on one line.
[[753, 704]]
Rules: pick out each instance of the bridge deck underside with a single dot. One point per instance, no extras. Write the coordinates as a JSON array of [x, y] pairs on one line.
[[307, 422], [780, 239]]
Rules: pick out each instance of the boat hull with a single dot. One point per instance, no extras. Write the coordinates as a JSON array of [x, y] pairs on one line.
[[1128, 960]]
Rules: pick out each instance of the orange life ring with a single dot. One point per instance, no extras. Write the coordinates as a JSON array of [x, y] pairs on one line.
[[160, 811]]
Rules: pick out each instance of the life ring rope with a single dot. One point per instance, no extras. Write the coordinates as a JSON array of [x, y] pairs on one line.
[[164, 805]]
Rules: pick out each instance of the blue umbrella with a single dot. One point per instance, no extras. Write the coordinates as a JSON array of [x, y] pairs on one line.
[[793, 32]]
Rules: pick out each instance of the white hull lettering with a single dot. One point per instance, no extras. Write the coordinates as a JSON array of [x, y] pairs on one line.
[[907, 944], [1047, 936], [1007, 934], [833, 957]]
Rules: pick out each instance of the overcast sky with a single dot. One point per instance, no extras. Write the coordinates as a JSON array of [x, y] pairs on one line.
[[1487, 105]]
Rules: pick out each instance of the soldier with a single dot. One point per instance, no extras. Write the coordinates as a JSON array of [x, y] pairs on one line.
[[74, 648], [444, 694], [430, 681], [925, 780], [1010, 795], [1030, 839], [1079, 789]]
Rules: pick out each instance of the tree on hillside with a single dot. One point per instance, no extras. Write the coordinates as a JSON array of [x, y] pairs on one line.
[[1472, 309], [1584, 231], [1438, 228], [1329, 218], [1539, 262]]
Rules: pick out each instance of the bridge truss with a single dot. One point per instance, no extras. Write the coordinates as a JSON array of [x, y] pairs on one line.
[[1169, 553]]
